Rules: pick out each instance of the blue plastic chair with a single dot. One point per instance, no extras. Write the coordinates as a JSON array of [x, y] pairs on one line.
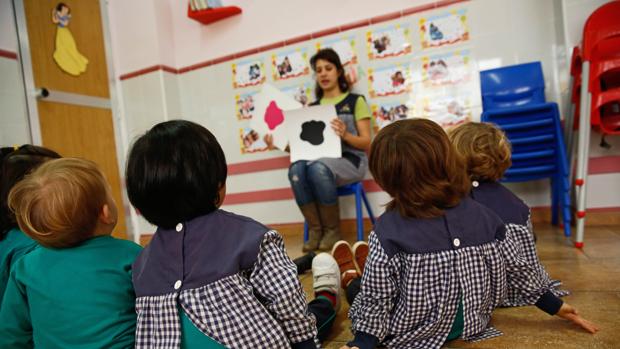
[[514, 98], [512, 86], [360, 196]]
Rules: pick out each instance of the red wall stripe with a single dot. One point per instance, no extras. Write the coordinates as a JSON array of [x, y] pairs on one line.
[[149, 70], [370, 186], [298, 39], [597, 165], [259, 165], [604, 164], [8, 54]]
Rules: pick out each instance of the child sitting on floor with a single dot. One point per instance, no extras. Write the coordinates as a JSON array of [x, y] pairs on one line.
[[486, 152], [74, 290], [439, 262], [210, 278]]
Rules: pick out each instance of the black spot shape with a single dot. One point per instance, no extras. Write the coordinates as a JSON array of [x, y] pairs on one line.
[[312, 132]]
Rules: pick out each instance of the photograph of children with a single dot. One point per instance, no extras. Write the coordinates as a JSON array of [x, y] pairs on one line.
[[248, 73], [388, 42], [446, 69], [387, 113], [345, 47], [290, 64], [245, 105], [251, 141], [447, 111], [444, 29], [301, 93], [393, 80]]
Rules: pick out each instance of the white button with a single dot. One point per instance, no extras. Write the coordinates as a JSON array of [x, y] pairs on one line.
[[179, 227], [456, 242], [475, 184], [177, 284]]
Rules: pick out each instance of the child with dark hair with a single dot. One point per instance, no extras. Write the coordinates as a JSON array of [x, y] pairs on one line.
[[15, 164], [487, 155], [75, 289], [210, 278], [439, 262]]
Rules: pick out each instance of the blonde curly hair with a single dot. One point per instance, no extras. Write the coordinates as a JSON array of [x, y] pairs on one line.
[[484, 147]]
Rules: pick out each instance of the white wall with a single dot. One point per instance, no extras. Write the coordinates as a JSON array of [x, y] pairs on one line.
[[503, 32], [14, 128]]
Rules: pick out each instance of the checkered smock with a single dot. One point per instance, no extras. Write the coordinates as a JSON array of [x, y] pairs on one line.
[[514, 211], [233, 279], [419, 270]]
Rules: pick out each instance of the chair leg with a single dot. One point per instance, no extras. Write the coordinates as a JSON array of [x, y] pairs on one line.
[[358, 213], [554, 200], [368, 209], [582, 154], [305, 231]]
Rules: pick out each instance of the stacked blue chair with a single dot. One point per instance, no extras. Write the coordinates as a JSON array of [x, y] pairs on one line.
[[360, 196], [514, 99]]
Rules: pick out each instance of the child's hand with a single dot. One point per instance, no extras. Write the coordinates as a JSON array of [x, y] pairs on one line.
[[339, 127], [268, 139], [569, 313]]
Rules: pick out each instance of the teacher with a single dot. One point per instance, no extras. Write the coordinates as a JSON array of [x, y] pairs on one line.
[[315, 183]]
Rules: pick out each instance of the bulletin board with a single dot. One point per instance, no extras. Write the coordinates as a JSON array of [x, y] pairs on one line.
[[421, 65]]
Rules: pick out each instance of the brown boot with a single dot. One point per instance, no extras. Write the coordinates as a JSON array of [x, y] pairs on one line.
[[315, 233], [330, 216]]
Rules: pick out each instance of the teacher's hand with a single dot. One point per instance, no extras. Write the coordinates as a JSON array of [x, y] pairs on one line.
[[268, 139], [339, 127]]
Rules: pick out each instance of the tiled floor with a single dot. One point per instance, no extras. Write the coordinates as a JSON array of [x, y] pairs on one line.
[[591, 274]]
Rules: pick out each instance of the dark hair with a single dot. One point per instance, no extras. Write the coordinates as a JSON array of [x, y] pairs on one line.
[[61, 5], [174, 173], [15, 165], [414, 161], [328, 54]]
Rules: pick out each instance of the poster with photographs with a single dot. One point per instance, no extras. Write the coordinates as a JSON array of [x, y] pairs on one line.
[[446, 69], [389, 81], [387, 113], [244, 104], [444, 29], [448, 111], [345, 47], [290, 64], [387, 42], [301, 93], [251, 141], [248, 73]]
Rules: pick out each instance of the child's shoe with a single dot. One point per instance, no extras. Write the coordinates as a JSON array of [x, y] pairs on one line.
[[360, 253], [326, 278], [343, 255]]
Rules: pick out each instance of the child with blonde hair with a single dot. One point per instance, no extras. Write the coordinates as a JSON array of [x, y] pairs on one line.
[[75, 290], [487, 155]]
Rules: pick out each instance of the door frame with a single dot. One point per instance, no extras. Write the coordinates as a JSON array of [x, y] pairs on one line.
[[114, 103]]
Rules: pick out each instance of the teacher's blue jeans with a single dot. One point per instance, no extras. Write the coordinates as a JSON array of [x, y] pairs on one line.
[[312, 181]]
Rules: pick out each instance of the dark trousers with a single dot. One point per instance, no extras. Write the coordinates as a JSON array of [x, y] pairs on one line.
[[353, 289], [325, 315]]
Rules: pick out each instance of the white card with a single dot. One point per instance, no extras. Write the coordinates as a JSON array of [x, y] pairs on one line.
[[268, 117], [310, 133]]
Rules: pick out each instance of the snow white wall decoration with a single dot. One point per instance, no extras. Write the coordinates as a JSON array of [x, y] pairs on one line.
[[66, 54]]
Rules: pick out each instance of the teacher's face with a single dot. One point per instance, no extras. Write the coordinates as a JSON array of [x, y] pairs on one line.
[[326, 74]]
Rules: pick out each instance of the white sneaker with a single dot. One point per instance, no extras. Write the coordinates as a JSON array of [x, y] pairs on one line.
[[326, 276]]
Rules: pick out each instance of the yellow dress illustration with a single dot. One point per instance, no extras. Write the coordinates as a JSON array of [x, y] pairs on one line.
[[66, 54]]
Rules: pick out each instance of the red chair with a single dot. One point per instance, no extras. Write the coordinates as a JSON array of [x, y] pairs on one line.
[[599, 94]]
